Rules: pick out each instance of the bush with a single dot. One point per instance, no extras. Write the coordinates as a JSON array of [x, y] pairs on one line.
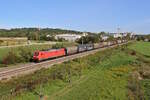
[[133, 52], [58, 45], [11, 58], [88, 39], [25, 54], [135, 91]]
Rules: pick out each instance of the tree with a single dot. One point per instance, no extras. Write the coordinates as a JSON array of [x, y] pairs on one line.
[[111, 38], [11, 58], [58, 45], [102, 33], [88, 39], [34, 33]]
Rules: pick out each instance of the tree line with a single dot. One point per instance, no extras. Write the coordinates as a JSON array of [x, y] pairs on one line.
[[143, 37], [35, 33], [48, 34]]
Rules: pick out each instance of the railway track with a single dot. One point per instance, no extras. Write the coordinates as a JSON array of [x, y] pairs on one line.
[[8, 73]]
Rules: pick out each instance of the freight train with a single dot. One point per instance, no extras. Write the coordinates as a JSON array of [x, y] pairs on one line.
[[54, 53]]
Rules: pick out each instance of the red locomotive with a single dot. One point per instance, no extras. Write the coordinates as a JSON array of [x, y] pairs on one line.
[[52, 53]]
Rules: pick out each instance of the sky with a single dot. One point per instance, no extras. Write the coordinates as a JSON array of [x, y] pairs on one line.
[[81, 15]]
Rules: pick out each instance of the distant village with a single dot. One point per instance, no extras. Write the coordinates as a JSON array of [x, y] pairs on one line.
[[21, 36], [104, 37]]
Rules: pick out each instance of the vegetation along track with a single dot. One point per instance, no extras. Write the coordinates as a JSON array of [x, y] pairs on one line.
[[25, 69]]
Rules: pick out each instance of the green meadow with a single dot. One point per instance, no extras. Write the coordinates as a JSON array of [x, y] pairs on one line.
[[112, 74], [141, 47]]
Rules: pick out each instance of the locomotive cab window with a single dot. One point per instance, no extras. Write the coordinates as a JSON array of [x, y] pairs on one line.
[[36, 53]]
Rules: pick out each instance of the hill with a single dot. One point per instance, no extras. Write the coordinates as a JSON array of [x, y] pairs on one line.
[[34, 33]]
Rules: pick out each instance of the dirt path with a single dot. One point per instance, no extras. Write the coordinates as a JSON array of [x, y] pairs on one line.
[[12, 46]]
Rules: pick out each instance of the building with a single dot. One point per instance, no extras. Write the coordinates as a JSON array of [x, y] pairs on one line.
[[104, 37], [132, 35], [146, 40], [68, 37], [118, 35]]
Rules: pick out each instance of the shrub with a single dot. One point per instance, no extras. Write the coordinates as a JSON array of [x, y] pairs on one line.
[[11, 58], [133, 52], [135, 90], [57, 46], [25, 54]]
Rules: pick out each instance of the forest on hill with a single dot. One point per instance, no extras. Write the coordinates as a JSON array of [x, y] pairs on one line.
[[34, 33]]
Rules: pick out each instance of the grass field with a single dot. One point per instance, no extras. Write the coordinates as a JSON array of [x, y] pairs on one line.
[[141, 47], [7, 41], [106, 75], [143, 52]]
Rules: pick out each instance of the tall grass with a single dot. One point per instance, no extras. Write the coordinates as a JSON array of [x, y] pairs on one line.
[[141, 47], [139, 79]]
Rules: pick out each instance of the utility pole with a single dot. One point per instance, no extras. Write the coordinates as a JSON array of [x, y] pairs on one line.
[[82, 40], [39, 33], [83, 35], [118, 31]]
